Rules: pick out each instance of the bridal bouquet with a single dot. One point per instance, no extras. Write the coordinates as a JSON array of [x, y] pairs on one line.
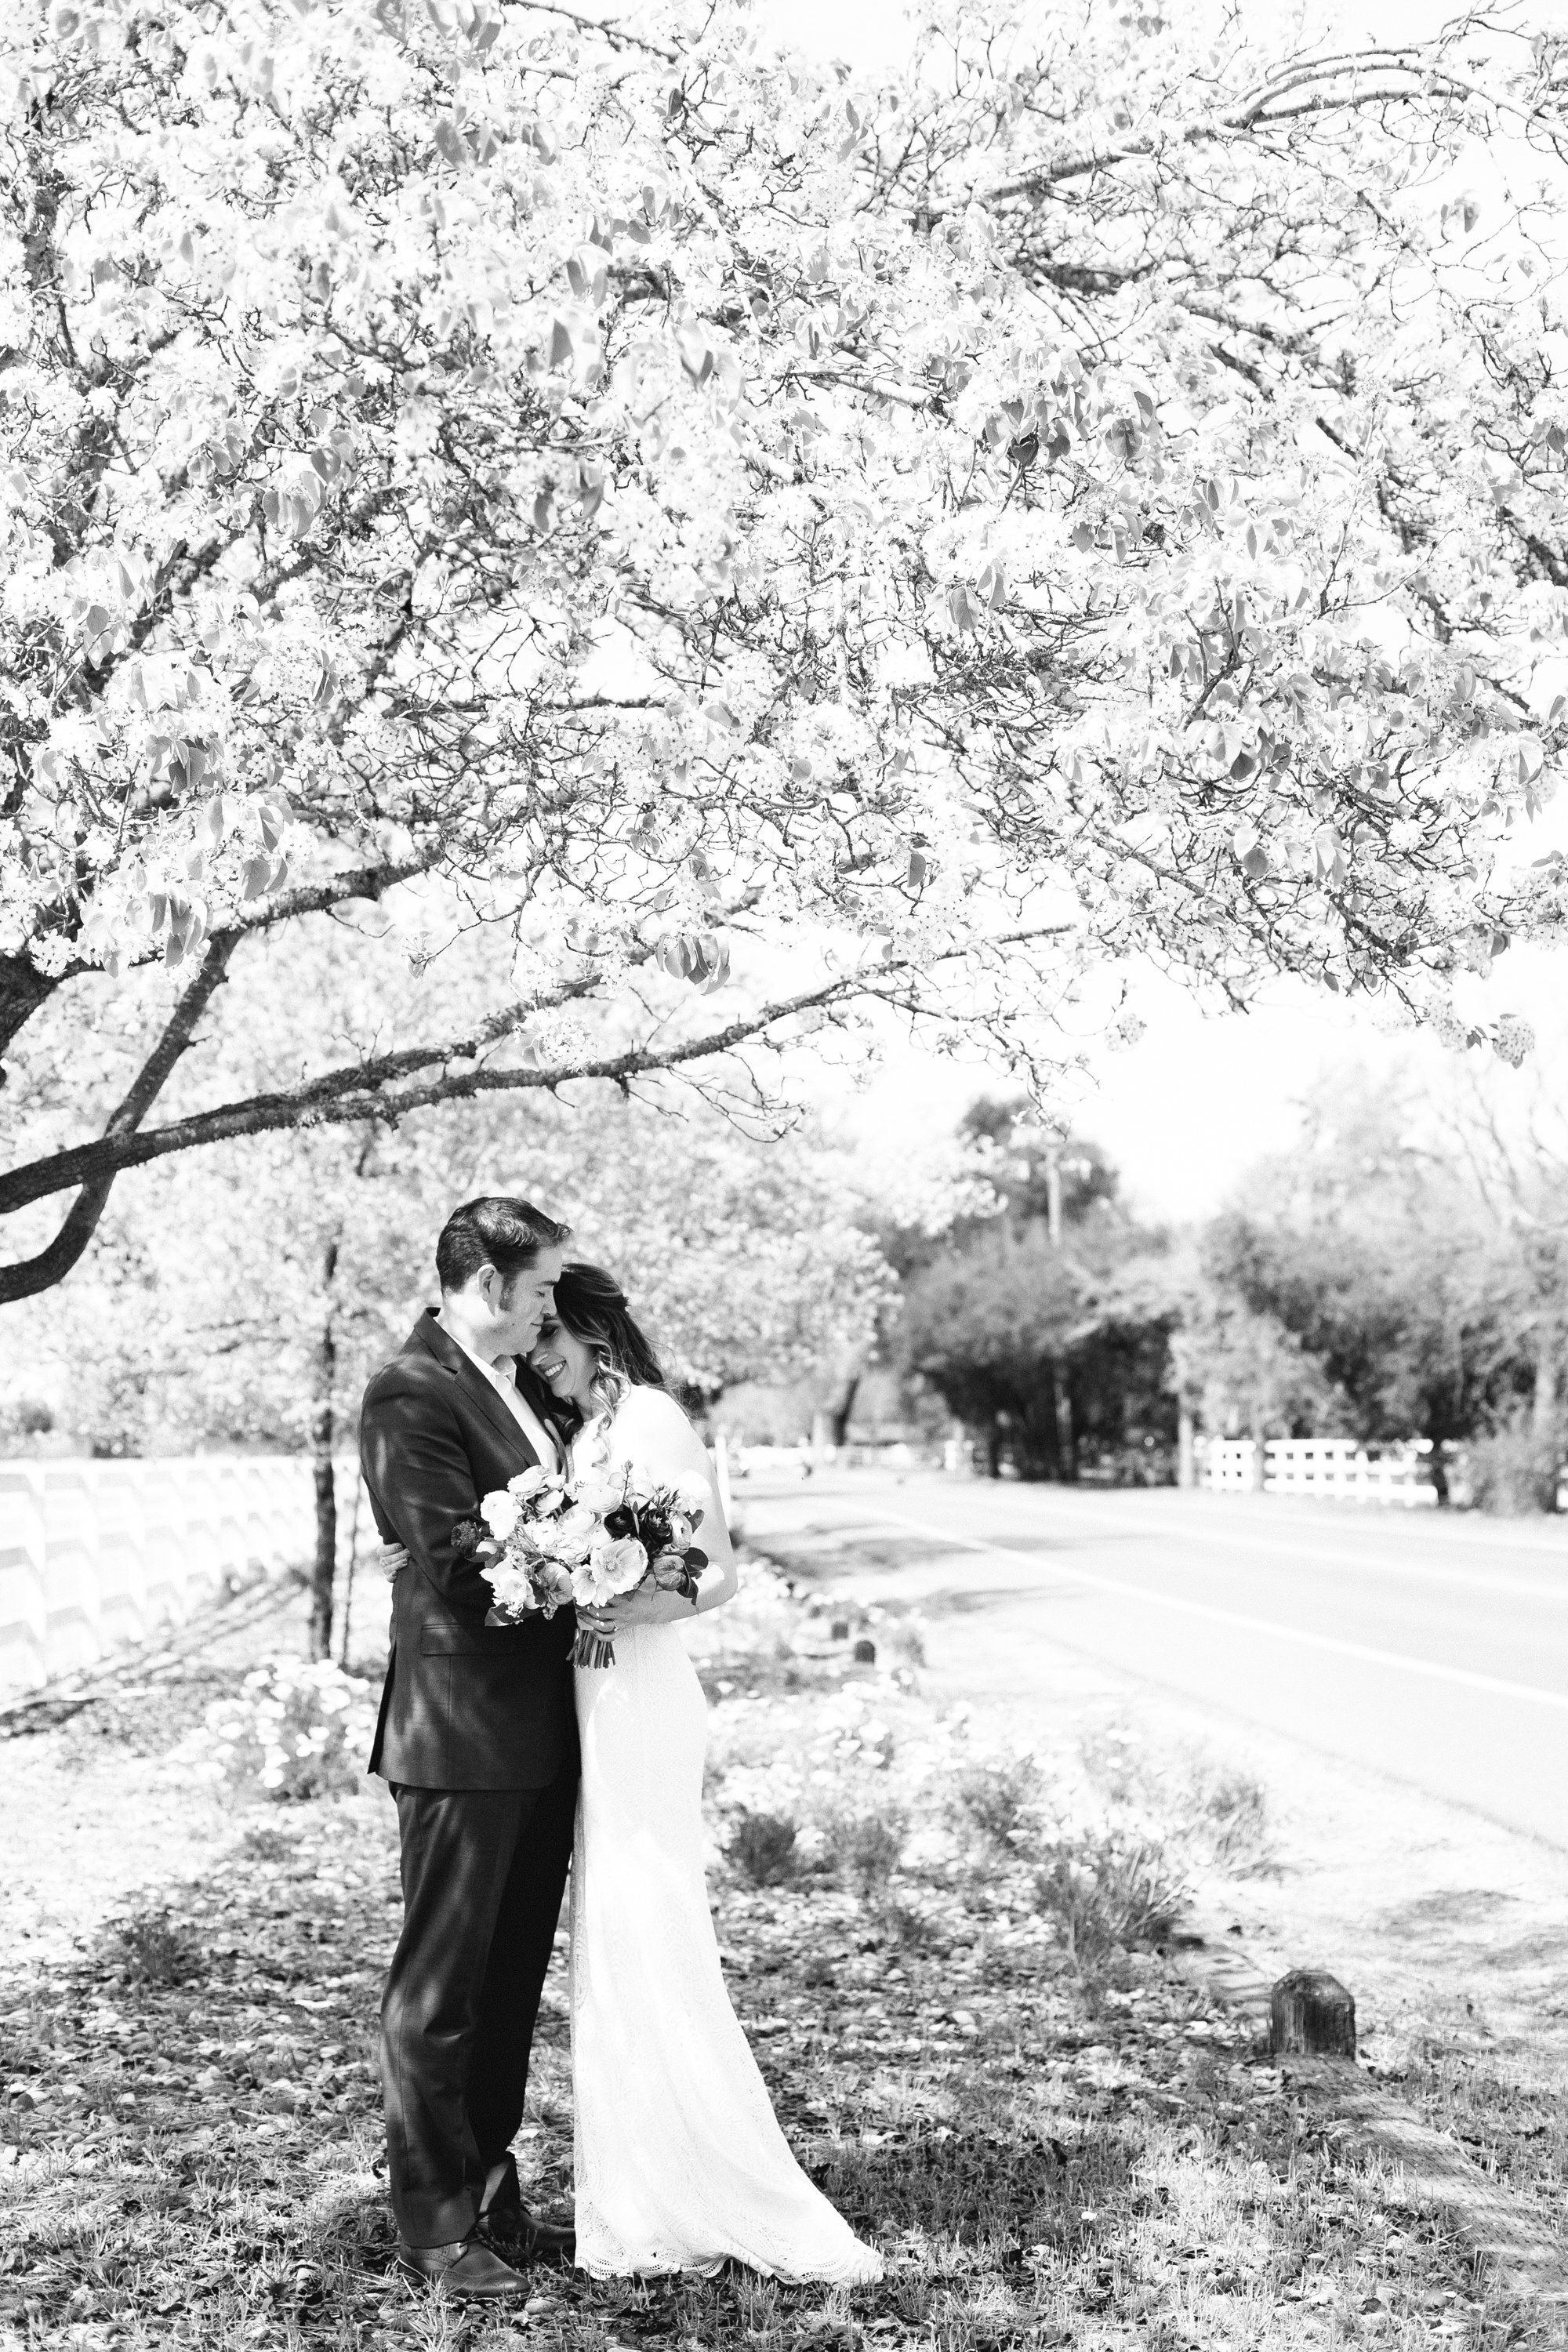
[[648, 1538], [540, 1538], [551, 1541]]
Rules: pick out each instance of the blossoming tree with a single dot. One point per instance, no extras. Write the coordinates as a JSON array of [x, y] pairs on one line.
[[738, 528]]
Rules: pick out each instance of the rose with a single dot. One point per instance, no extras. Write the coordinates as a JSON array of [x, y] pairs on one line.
[[501, 1514], [572, 1533], [528, 1482], [555, 1582], [670, 1572], [513, 1590], [680, 1533], [602, 1491]]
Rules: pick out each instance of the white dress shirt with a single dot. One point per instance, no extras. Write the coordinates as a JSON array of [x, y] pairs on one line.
[[522, 1412]]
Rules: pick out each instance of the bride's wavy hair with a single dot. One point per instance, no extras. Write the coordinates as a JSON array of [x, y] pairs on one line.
[[593, 1306]]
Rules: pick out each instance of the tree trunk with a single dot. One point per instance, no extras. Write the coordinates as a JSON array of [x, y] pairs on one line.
[[324, 1430], [1544, 1396], [994, 1450], [1067, 1437], [838, 1414], [1187, 1448]]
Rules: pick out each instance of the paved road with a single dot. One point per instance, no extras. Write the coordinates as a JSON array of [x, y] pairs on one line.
[[1435, 1648]]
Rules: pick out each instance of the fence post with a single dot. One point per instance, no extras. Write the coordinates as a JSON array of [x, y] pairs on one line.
[[121, 1551], [70, 1549], [23, 1608], [162, 1539]]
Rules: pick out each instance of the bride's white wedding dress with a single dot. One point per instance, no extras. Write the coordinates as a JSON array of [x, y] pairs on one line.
[[680, 2160]]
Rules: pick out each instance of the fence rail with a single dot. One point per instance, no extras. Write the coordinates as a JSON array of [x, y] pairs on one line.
[[94, 1554], [1332, 1466]]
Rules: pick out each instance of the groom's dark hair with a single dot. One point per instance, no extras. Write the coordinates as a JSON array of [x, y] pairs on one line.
[[494, 1230]]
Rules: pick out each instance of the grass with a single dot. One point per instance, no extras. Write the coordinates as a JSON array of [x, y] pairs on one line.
[[1054, 2140]]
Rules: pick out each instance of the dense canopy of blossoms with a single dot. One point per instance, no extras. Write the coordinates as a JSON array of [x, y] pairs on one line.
[[744, 528]]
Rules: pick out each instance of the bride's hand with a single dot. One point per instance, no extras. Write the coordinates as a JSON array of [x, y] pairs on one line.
[[389, 1558]]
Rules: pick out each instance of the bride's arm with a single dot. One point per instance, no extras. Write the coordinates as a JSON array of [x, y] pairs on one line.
[[651, 1431]]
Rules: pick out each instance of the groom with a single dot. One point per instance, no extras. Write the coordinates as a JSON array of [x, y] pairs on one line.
[[477, 1739]]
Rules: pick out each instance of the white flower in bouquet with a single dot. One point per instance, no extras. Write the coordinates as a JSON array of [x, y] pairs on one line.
[[528, 1482], [691, 1494], [553, 1580], [614, 1564], [513, 1587], [572, 1533], [602, 1490], [500, 1513]]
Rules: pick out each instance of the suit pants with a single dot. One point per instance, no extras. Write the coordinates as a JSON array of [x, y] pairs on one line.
[[483, 1874]]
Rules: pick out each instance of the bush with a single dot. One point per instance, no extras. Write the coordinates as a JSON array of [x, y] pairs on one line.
[[1512, 1471], [295, 1730], [996, 1798], [1215, 1815], [1108, 1891], [863, 1848], [150, 1950], [763, 1846]]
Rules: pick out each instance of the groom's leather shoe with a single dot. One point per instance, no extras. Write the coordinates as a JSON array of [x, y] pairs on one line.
[[506, 2221], [468, 2270]]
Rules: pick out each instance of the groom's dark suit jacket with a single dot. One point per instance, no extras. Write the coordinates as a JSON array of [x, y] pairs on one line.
[[467, 1704]]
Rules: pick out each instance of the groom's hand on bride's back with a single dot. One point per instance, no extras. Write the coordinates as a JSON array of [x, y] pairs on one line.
[[388, 1558]]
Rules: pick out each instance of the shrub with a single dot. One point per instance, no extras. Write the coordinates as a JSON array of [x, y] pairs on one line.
[[1512, 1471], [295, 1730], [1216, 1816], [995, 1798], [863, 1848], [1234, 1812], [762, 1845], [151, 1950], [1105, 1890]]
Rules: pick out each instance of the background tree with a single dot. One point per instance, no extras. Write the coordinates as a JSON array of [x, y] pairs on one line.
[[715, 519], [1046, 1329]]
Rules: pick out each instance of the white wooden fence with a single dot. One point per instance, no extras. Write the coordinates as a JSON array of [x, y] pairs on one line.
[[93, 1554], [1333, 1466]]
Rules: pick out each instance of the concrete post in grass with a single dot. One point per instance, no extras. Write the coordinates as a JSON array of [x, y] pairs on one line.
[[1310, 2015]]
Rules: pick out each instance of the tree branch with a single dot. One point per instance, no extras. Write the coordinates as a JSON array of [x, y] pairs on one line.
[[369, 1090], [53, 1263]]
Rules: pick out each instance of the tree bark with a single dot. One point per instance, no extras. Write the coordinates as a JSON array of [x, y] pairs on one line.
[[323, 1431], [1543, 1395], [1186, 1447], [839, 1414], [52, 1264], [1067, 1436]]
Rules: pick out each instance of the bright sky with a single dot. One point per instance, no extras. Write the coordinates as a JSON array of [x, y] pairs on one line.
[[1202, 1095]]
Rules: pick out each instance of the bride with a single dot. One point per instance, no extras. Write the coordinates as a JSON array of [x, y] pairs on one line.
[[679, 2159]]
